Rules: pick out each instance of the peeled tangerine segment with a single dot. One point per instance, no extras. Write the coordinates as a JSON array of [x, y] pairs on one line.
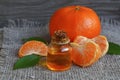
[[33, 47], [85, 54], [80, 40], [102, 42]]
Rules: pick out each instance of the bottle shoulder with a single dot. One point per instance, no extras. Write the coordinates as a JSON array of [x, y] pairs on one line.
[[59, 48]]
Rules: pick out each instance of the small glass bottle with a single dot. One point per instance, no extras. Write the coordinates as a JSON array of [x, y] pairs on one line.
[[59, 52]]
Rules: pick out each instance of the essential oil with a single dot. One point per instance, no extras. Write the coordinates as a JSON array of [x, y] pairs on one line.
[[59, 52]]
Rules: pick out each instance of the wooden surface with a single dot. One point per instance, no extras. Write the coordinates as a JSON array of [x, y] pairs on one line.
[[1, 38], [42, 9]]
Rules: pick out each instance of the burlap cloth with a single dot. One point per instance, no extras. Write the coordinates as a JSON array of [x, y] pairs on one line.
[[107, 68]]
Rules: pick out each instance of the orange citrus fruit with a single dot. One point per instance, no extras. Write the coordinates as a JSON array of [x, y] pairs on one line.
[[80, 40], [87, 51], [33, 47], [85, 54], [75, 21], [102, 42], [83, 40]]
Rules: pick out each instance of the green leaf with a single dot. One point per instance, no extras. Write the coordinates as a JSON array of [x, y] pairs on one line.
[[34, 38], [27, 61], [114, 48]]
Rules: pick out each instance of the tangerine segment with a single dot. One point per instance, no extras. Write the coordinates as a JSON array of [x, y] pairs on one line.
[[86, 54], [33, 47], [80, 40], [103, 43]]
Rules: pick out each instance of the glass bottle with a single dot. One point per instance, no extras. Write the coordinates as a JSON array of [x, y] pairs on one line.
[[59, 52]]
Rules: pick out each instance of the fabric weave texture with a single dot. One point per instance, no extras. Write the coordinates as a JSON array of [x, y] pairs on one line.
[[107, 68]]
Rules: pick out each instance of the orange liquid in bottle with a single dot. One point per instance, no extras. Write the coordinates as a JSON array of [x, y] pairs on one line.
[[59, 57]]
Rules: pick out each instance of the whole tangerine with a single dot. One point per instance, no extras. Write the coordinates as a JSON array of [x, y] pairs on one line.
[[75, 21]]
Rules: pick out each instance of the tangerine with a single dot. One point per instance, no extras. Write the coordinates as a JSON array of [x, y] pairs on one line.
[[85, 54], [87, 51], [33, 47], [102, 41], [75, 21]]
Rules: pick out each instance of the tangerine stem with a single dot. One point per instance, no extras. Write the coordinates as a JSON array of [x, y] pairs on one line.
[[77, 8]]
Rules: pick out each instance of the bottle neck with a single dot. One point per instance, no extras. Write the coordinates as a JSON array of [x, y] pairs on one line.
[[60, 43]]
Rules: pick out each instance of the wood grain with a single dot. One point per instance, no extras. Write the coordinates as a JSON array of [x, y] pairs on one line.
[[42, 9]]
